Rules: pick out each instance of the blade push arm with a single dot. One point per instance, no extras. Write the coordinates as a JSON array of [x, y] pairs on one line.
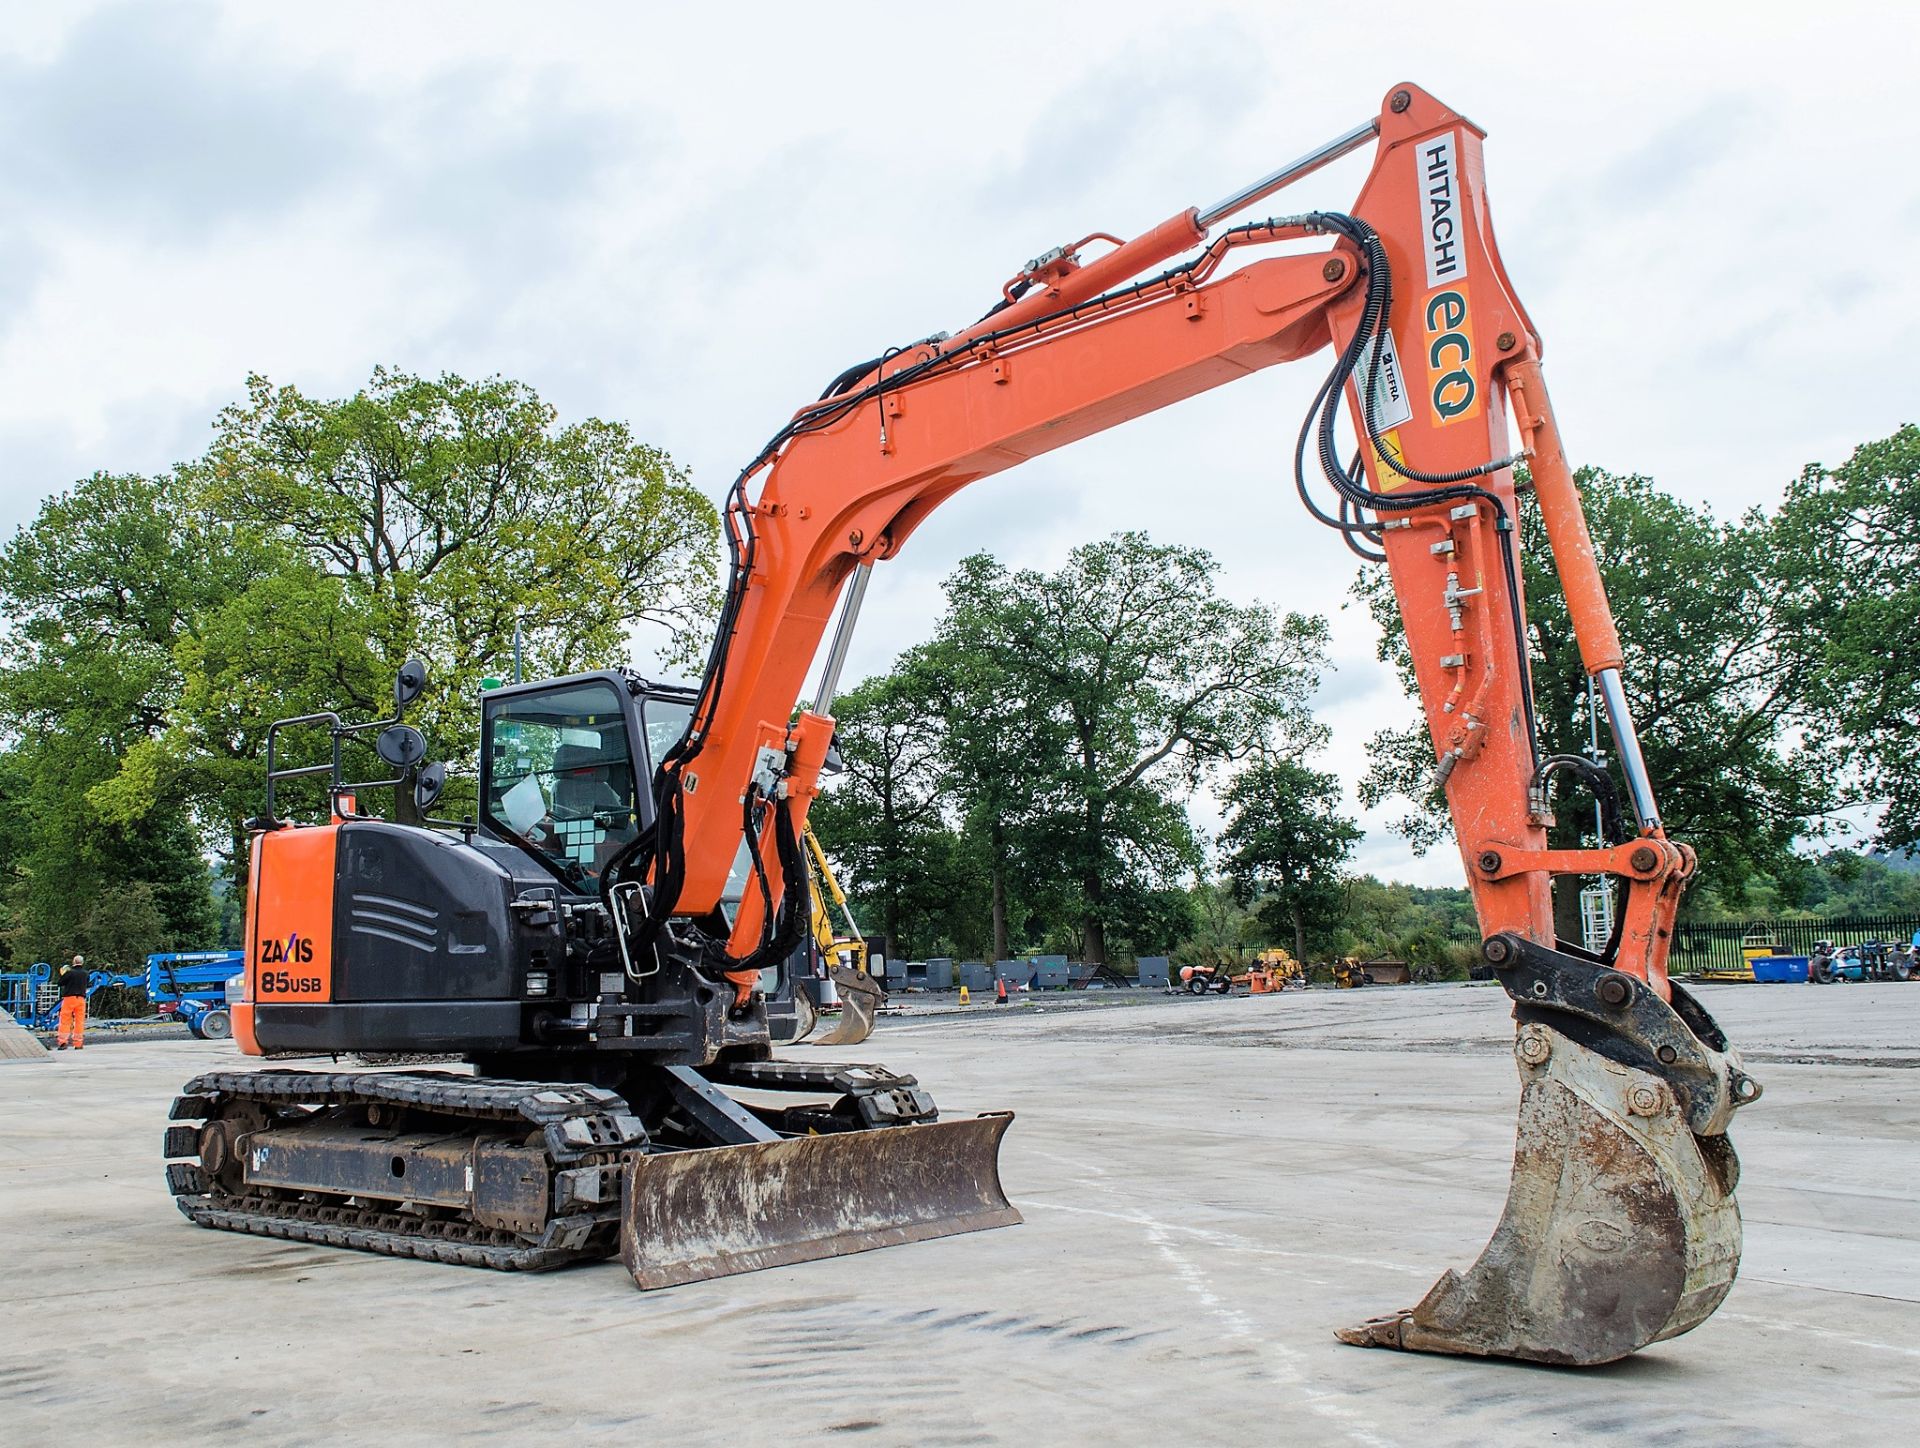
[[1434, 353]]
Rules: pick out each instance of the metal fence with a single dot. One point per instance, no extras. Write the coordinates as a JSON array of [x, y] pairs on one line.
[[1717, 947]]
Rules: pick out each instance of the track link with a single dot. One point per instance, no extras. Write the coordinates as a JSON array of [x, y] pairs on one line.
[[580, 1127]]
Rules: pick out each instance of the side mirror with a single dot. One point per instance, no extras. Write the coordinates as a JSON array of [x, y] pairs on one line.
[[427, 785], [401, 745], [408, 683]]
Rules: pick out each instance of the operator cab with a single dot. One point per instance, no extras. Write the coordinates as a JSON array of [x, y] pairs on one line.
[[562, 781], [561, 777]]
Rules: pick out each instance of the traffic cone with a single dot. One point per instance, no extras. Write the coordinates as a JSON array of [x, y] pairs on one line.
[[965, 999], [1000, 990]]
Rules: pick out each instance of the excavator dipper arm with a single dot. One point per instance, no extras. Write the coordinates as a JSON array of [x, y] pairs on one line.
[[1620, 1227]]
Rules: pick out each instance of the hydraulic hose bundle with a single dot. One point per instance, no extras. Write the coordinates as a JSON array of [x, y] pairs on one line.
[[1356, 499]]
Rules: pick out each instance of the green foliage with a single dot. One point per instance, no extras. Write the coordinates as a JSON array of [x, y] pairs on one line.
[[1430, 927], [993, 729], [1426, 926], [431, 515], [1286, 846], [1224, 929], [1152, 682], [97, 589], [1065, 719], [1854, 532], [159, 625], [1827, 886], [1715, 675], [885, 821]]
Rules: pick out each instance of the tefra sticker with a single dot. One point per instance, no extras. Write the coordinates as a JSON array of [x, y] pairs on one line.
[[1391, 405]]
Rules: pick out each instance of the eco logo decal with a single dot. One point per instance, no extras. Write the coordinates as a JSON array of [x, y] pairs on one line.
[[1451, 389]]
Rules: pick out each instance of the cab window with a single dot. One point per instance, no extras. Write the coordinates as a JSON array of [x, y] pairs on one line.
[[666, 721], [560, 775]]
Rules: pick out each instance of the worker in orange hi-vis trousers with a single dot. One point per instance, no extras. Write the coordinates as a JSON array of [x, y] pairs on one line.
[[73, 1006]]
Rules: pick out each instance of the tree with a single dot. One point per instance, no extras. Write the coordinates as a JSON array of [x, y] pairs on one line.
[[98, 588], [1222, 926], [291, 640], [414, 518], [1424, 925], [14, 840], [161, 624], [455, 508], [1845, 882], [1715, 675], [998, 732], [1854, 532], [1286, 844], [883, 821], [1043, 745], [1156, 682]]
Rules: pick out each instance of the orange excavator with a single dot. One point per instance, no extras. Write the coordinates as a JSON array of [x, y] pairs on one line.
[[601, 942]]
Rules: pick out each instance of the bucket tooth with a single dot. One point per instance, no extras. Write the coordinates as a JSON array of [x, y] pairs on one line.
[[1620, 1227], [692, 1215]]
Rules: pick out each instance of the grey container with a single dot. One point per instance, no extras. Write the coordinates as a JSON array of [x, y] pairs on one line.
[[1015, 973], [1051, 973], [1153, 970]]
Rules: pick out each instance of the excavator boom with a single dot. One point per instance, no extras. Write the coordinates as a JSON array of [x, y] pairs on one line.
[[1622, 1171]]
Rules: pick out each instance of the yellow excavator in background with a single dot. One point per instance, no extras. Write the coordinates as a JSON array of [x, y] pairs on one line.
[[845, 955]]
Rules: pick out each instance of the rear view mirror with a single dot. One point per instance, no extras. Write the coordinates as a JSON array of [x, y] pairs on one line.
[[427, 785], [408, 683], [401, 745]]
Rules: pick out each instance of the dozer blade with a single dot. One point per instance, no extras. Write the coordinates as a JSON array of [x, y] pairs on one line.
[[691, 1215], [860, 998], [1620, 1227]]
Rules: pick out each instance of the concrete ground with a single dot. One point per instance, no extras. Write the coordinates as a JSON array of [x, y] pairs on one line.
[[1210, 1187]]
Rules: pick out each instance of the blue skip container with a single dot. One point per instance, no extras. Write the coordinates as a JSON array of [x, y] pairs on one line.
[[1774, 969]]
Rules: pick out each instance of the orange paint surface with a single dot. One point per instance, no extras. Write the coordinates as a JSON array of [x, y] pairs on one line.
[[290, 918]]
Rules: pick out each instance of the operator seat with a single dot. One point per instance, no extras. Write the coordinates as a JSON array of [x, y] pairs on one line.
[[582, 788]]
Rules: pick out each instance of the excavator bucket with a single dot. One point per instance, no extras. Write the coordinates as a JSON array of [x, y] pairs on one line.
[[691, 1215], [860, 1001], [1620, 1227]]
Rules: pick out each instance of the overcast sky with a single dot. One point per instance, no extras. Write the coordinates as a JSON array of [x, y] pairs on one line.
[[690, 217]]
